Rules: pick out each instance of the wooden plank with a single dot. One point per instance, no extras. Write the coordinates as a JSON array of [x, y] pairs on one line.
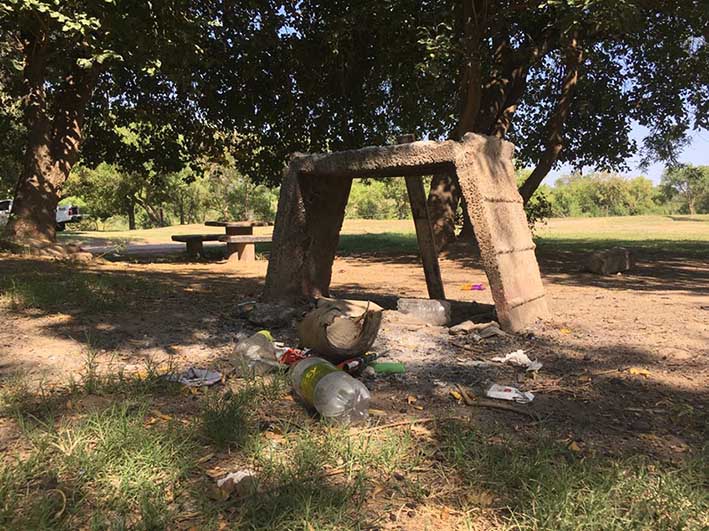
[[424, 232], [237, 223], [424, 235]]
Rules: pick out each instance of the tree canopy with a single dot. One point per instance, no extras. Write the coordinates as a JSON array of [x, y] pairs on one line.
[[90, 69], [565, 80]]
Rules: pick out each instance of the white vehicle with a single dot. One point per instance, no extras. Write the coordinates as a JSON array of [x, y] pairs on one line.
[[65, 214]]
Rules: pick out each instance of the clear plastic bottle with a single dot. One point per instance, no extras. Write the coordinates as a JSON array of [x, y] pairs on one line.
[[255, 355], [432, 311], [334, 393]]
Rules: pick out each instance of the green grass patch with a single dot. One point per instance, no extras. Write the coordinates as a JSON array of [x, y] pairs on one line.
[[121, 464], [382, 243], [656, 247], [107, 468], [230, 420], [542, 485], [73, 289]]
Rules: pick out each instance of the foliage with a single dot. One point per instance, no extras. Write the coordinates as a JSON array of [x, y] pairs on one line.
[[336, 74], [601, 194], [689, 185], [137, 57], [378, 199], [189, 196]]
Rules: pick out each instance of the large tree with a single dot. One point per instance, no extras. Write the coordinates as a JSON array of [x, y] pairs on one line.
[[101, 65], [563, 79]]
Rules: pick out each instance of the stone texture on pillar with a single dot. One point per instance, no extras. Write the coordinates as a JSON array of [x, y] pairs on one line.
[[487, 181], [305, 238], [314, 195]]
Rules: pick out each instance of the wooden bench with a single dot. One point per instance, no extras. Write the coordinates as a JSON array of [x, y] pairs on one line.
[[242, 247], [195, 247]]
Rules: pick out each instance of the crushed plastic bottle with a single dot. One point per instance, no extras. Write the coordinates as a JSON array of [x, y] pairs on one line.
[[432, 311], [255, 355], [334, 393]]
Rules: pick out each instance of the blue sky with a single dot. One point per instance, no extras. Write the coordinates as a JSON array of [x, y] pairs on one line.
[[696, 153]]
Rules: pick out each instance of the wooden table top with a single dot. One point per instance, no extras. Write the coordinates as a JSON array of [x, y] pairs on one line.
[[236, 223]]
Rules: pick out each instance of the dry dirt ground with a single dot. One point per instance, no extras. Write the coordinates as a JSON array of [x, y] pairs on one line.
[[625, 358]]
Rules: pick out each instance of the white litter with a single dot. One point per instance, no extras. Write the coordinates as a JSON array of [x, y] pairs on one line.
[[519, 359], [194, 377], [243, 483], [504, 392]]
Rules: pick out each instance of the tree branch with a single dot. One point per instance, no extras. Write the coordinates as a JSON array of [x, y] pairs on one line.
[[555, 127], [67, 127]]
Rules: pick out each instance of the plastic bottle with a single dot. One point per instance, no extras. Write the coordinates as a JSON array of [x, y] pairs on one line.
[[255, 355], [432, 311], [334, 393]]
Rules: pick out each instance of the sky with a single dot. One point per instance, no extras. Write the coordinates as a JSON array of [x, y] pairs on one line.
[[696, 153]]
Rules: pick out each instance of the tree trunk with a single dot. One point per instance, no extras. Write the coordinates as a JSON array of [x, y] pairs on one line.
[[52, 146], [33, 215], [444, 195], [442, 204], [690, 205], [131, 214], [488, 104]]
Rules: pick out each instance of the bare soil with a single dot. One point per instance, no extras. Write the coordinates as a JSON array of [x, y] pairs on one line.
[[625, 358]]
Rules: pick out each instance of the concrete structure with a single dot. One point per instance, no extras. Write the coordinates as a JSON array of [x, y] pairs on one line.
[[312, 204]]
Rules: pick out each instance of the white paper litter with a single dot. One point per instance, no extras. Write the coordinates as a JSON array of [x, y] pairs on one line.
[[504, 392], [236, 477], [519, 359], [194, 377], [241, 483]]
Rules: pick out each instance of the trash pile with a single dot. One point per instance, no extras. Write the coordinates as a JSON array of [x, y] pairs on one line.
[[341, 342]]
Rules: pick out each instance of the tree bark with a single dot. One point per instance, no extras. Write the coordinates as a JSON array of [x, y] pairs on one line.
[[442, 204], [131, 214], [554, 143], [52, 146], [444, 194], [488, 105]]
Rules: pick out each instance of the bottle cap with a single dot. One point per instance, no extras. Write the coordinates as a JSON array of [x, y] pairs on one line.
[[266, 334]]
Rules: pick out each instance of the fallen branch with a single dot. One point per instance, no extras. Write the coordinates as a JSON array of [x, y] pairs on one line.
[[424, 420]]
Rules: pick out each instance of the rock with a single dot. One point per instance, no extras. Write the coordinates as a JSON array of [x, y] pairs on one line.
[[82, 257], [482, 330], [271, 315], [610, 261]]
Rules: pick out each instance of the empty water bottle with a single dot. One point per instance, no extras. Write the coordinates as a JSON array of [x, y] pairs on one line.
[[255, 355], [334, 393], [432, 311]]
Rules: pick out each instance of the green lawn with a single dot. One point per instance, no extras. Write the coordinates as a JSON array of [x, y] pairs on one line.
[[628, 228]]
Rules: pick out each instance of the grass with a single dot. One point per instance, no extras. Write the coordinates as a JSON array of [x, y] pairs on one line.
[[115, 451], [65, 288], [123, 464], [543, 485], [685, 234]]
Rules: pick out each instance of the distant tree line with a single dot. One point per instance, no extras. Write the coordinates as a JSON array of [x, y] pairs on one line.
[[115, 199], [683, 189], [112, 198]]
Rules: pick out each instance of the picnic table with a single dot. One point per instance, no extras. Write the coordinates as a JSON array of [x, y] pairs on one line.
[[239, 238]]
